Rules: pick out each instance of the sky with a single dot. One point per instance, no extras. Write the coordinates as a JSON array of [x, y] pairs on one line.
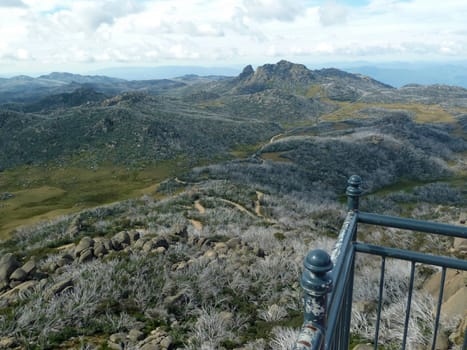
[[38, 36]]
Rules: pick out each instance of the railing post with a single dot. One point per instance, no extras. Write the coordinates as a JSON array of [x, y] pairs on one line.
[[317, 283], [353, 192]]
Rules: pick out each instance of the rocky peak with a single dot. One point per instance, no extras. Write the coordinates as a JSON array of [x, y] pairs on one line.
[[358, 81], [284, 70], [282, 75], [247, 72]]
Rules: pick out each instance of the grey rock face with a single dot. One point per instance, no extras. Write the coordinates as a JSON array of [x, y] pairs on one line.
[[8, 264], [121, 239], [59, 287], [30, 267], [100, 249], [134, 236], [85, 243], [135, 335], [86, 255], [19, 275]]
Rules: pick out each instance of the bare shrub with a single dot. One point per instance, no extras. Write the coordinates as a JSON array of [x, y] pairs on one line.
[[273, 313], [283, 338], [43, 233], [212, 327], [394, 305]]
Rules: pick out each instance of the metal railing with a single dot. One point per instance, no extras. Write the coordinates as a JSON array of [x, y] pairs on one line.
[[328, 280]]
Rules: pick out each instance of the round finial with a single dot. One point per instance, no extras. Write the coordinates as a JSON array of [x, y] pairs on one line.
[[315, 278], [353, 191], [318, 261], [355, 180]]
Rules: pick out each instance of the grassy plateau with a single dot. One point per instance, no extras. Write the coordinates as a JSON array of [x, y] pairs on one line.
[[42, 193]]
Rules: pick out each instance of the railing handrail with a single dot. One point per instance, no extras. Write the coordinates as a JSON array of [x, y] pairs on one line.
[[327, 316], [412, 224], [410, 255]]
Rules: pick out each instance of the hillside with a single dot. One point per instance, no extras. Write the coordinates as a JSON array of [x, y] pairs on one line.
[[126, 129], [175, 214], [91, 126]]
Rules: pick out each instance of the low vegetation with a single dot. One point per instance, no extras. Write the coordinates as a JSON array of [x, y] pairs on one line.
[[40, 193], [178, 218], [233, 283]]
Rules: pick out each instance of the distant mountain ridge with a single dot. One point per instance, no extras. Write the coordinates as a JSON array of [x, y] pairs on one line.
[[62, 115], [24, 89], [176, 213], [80, 79], [166, 72], [287, 75]]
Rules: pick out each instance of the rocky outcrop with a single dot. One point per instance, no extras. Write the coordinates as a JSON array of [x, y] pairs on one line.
[[6, 195], [157, 339], [59, 287], [454, 304], [460, 247], [457, 337], [8, 264], [16, 277]]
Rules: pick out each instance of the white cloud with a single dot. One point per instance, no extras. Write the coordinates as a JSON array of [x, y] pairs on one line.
[[12, 3], [17, 55], [23, 54], [332, 13], [229, 31], [281, 10], [90, 15]]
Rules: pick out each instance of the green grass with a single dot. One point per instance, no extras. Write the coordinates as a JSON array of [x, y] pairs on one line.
[[243, 151], [46, 192], [315, 90], [408, 185], [402, 185], [423, 113], [42, 193], [275, 157]]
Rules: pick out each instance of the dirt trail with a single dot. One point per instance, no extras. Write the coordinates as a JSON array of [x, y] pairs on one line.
[[199, 207], [196, 224], [177, 180], [239, 207], [275, 137], [259, 196]]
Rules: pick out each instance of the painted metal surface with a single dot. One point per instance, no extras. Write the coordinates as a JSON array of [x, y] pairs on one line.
[[316, 283], [412, 224], [327, 281]]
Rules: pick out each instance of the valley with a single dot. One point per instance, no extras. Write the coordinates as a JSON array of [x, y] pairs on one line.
[[195, 199], [45, 193]]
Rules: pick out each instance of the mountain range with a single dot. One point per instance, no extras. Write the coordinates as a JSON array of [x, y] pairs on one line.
[[62, 115], [298, 121], [176, 213]]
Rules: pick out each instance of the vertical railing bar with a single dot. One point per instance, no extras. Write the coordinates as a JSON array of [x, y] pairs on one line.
[[328, 282], [380, 300], [438, 308], [337, 300], [344, 325], [348, 305], [409, 303], [339, 332], [345, 321], [348, 302]]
